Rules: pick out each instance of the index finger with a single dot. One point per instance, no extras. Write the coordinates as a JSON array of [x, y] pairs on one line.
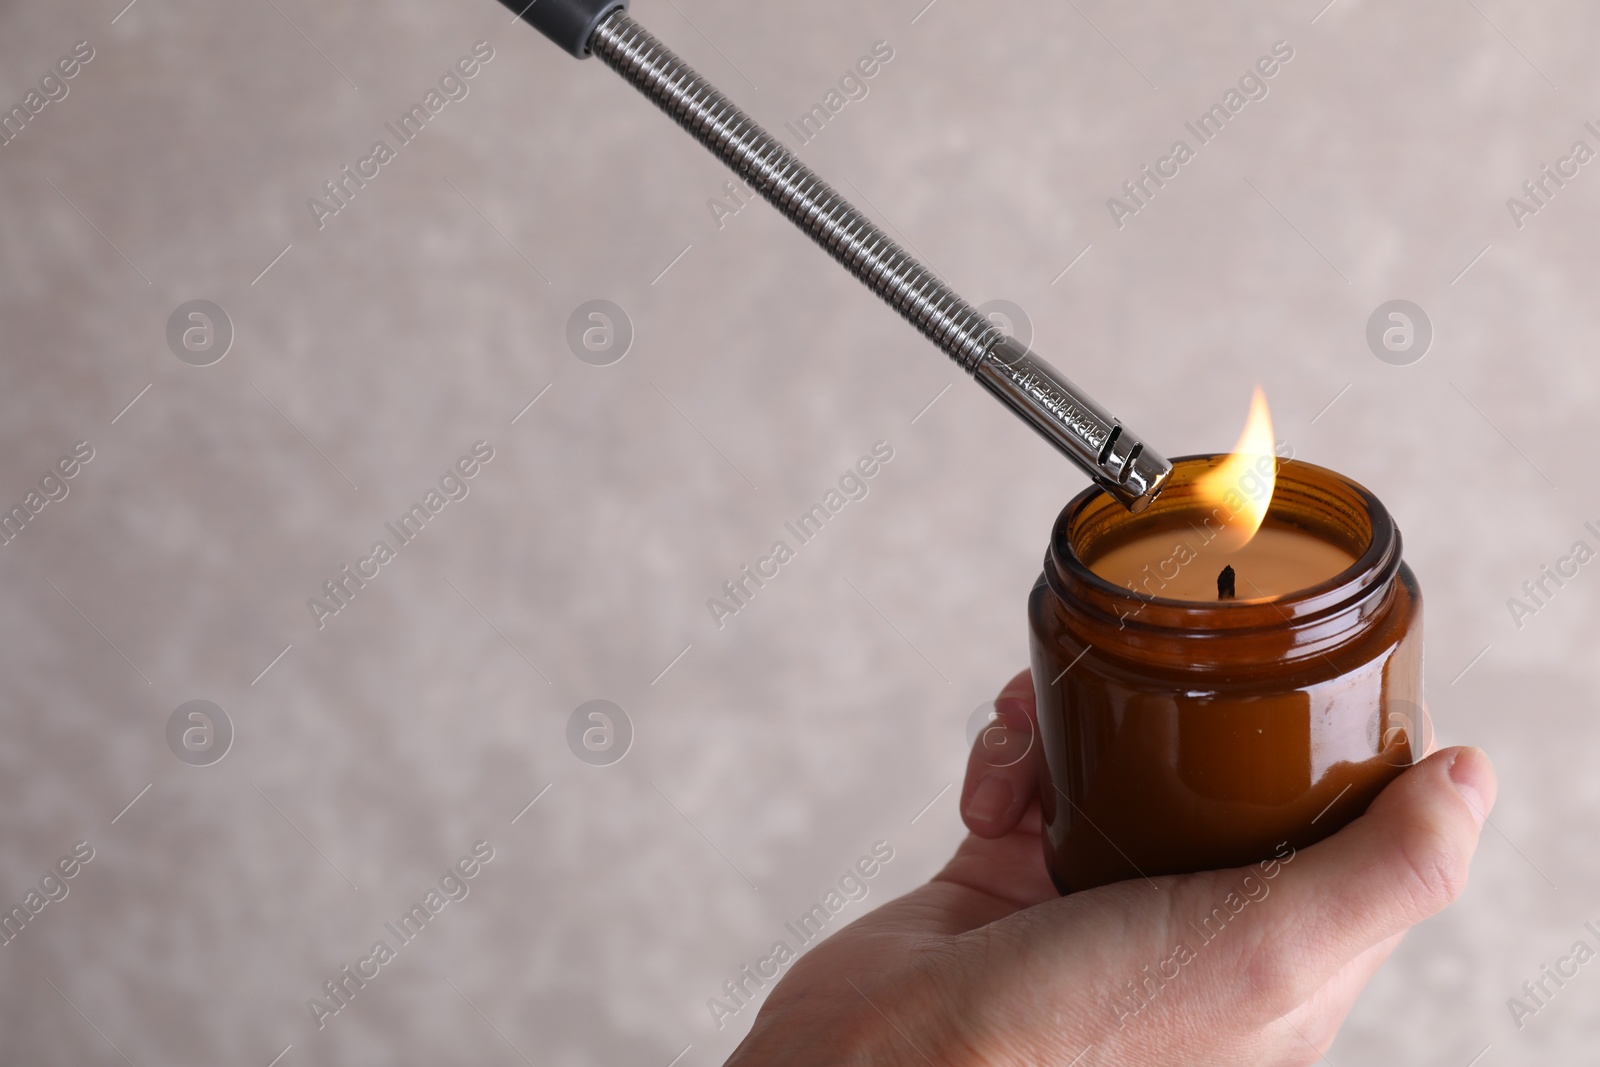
[[1003, 767]]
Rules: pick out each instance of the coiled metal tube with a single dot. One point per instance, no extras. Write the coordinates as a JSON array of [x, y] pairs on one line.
[[1034, 390], [957, 327]]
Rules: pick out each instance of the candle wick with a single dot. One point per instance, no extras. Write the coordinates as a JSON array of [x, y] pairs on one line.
[[1225, 590]]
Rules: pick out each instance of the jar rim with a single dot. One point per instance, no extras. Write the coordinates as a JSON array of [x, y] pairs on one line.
[[1308, 497]]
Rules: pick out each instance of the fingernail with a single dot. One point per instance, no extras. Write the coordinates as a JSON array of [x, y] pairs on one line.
[[992, 799], [1013, 712], [1467, 774]]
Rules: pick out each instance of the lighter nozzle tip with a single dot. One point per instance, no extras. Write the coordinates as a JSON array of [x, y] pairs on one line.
[[1134, 473]]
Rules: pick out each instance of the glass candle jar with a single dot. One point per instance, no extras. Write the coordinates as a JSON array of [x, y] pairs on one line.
[[1192, 734]]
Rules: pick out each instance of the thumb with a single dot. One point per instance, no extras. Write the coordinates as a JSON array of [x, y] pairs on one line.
[[1403, 860]]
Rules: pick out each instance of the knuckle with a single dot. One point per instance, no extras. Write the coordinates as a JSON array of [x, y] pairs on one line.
[[1272, 965], [1436, 870], [1255, 960], [1301, 1053]]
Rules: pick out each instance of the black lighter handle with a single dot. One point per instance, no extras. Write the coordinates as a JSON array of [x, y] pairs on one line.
[[569, 23]]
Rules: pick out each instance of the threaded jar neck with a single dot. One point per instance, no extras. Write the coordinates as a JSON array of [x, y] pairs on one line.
[[1149, 631]]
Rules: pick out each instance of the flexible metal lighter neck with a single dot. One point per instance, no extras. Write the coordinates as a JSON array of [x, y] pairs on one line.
[[1066, 417]]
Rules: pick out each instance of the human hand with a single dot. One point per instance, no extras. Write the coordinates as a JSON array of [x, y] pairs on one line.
[[987, 964]]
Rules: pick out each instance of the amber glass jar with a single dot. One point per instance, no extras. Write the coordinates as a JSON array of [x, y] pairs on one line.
[[1185, 735]]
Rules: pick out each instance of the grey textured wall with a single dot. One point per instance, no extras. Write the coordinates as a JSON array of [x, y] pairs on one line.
[[430, 310]]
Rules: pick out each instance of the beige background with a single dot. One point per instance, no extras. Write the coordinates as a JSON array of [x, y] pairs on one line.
[[822, 718]]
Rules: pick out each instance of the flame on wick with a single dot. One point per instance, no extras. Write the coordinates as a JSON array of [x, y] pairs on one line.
[[1239, 489]]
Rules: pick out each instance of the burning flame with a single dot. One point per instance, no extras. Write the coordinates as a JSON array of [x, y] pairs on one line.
[[1240, 488]]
